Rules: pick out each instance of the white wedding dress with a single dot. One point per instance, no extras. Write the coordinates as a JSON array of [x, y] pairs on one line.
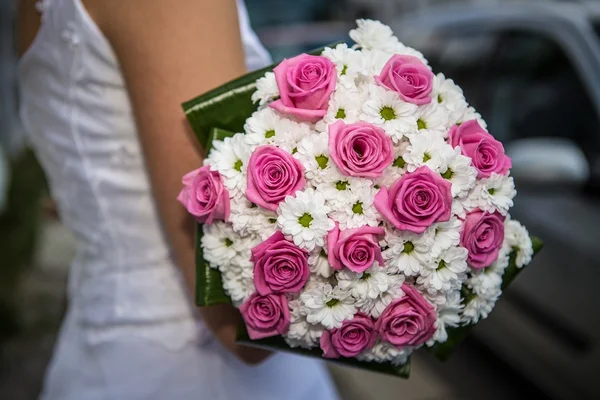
[[131, 332]]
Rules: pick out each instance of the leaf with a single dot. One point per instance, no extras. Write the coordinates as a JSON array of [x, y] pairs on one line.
[[228, 106], [443, 351], [209, 286], [277, 343], [217, 134]]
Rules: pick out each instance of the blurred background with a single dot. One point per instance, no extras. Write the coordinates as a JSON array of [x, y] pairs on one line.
[[531, 68]]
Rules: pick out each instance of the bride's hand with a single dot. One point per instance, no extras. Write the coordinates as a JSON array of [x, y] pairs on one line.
[[169, 53]]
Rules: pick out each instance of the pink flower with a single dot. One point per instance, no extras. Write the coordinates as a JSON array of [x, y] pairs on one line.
[[416, 201], [305, 85], [360, 149], [407, 321], [357, 249], [486, 152], [354, 337], [279, 266], [273, 174], [482, 235], [266, 316], [204, 195], [409, 77]]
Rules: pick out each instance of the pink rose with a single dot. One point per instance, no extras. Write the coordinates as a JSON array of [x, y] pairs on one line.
[[204, 195], [416, 201], [357, 249], [482, 235], [305, 85], [266, 316], [354, 337], [407, 321], [409, 77], [279, 266], [360, 149], [486, 152], [273, 174]]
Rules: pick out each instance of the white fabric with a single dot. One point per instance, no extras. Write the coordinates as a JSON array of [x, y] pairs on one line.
[[131, 332]]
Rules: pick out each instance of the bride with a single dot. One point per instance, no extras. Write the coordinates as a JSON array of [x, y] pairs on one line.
[[101, 86]]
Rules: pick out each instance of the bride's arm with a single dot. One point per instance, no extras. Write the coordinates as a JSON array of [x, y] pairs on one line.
[[171, 51]]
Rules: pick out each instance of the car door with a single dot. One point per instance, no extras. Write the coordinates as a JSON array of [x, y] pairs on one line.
[[529, 89]]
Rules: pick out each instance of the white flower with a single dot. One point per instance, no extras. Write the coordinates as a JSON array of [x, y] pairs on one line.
[[461, 173], [319, 264], [313, 153], [367, 286], [407, 252], [327, 306], [248, 219], [304, 217], [266, 89], [460, 206], [238, 280], [445, 235], [431, 117], [301, 333], [484, 281], [220, 244], [400, 48], [383, 351], [230, 158], [357, 208], [374, 307], [264, 127], [448, 95], [348, 63], [428, 148], [371, 34], [446, 273], [448, 316], [395, 171], [344, 105], [384, 108], [493, 193], [337, 187], [516, 237], [503, 260], [470, 114], [478, 307]]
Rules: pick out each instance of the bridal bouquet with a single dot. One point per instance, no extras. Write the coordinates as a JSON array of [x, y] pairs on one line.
[[352, 205]]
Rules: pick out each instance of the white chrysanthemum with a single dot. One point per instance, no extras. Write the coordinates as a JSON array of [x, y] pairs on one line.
[[301, 333], [313, 153], [383, 351], [400, 48], [431, 117], [304, 218], [374, 307], [319, 264], [493, 193], [450, 96], [486, 288], [470, 114], [220, 244], [445, 235], [365, 287], [230, 158], [248, 219], [484, 281], [448, 316], [428, 148], [238, 279], [516, 237], [266, 89], [502, 262], [327, 306], [460, 173], [407, 252], [357, 209], [386, 109], [370, 34], [266, 126], [344, 105], [445, 273], [398, 168], [348, 63], [337, 187]]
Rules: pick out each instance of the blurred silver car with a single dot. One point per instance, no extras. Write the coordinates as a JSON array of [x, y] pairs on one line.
[[533, 71]]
